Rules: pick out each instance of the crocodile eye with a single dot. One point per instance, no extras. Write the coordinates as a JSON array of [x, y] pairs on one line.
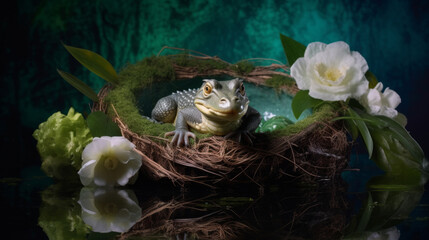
[[207, 88], [242, 91]]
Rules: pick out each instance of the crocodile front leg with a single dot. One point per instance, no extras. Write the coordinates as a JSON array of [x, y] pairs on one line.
[[244, 133], [182, 134], [165, 110]]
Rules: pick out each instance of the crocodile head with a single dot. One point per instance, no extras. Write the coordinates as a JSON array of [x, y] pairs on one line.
[[222, 101]]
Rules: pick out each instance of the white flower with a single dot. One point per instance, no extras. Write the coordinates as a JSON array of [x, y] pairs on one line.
[[109, 210], [331, 72], [378, 103], [109, 161]]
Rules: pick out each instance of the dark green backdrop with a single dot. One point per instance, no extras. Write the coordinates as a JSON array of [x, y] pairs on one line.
[[391, 35]]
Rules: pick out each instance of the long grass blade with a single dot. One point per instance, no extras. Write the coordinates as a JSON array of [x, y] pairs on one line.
[[79, 85], [95, 63]]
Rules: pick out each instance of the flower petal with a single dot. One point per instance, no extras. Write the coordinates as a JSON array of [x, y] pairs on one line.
[[133, 167], [360, 88], [125, 178], [103, 181], [320, 92], [389, 112], [373, 97], [109, 177], [379, 86], [299, 72], [121, 142], [392, 98], [121, 222], [339, 46], [135, 155], [360, 62], [86, 201], [95, 149], [375, 109], [97, 223], [86, 172], [313, 49], [123, 155]]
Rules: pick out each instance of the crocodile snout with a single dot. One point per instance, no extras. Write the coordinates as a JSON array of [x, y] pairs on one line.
[[230, 105]]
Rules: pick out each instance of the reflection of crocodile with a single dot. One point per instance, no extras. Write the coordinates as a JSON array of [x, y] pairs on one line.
[[218, 107]]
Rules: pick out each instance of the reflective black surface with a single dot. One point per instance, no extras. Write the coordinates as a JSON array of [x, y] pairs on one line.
[[345, 208]]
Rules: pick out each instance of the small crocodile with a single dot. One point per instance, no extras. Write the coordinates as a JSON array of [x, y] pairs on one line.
[[218, 107]]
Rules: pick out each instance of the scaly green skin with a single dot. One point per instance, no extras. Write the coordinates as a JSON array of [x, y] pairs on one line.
[[218, 108]]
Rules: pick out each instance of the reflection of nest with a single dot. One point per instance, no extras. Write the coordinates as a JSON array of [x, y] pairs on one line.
[[305, 214], [318, 150], [158, 220]]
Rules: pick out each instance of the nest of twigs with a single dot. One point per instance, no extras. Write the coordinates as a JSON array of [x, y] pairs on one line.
[[320, 150]]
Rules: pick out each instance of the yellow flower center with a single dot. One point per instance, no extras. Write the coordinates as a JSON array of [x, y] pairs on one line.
[[110, 209], [110, 162], [331, 74]]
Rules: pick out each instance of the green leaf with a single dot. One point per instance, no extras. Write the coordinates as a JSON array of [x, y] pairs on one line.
[[411, 179], [352, 118], [390, 201], [385, 208], [392, 207], [366, 214], [398, 132], [352, 128], [394, 150], [79, 85], [101, 125], [363, 129], [95, 63], [372, 79], [401, 119], [292, 48], [303, 101]]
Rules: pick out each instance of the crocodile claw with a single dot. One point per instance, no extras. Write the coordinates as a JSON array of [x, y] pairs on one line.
[[241, 137], [180, 137]]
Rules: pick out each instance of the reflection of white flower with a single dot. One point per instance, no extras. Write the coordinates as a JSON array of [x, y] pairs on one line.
[[331, 72], [378, 103], [386, 234], [109, 210], [109, 161]]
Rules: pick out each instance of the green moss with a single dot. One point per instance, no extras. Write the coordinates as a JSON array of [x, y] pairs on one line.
[[323, 113], [278, 81], [123, 101], [147, 71], [133, 78], [242, 67]]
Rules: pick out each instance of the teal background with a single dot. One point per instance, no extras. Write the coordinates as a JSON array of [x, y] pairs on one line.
[[391, 35]]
